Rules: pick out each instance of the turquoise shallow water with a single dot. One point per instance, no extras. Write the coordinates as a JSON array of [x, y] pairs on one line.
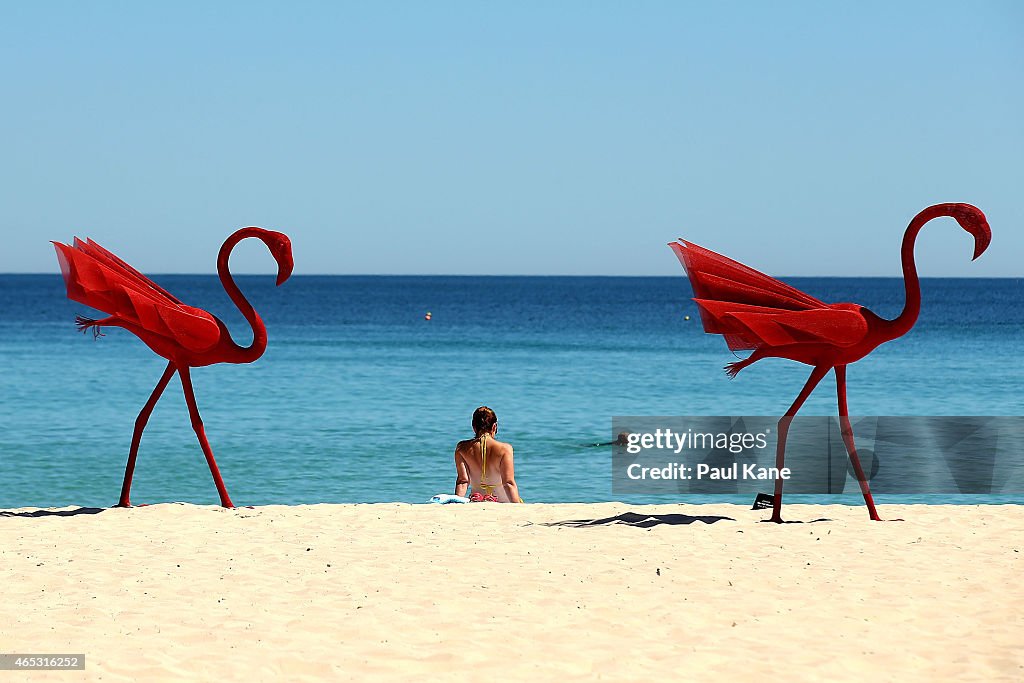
[[358, 399]]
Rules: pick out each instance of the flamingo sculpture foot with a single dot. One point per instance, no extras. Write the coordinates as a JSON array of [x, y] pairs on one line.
[[756, 312], [186, 336]]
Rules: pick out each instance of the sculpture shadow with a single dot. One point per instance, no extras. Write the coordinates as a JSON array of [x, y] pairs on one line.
[[643, 521], [53, 513], [797, 521]]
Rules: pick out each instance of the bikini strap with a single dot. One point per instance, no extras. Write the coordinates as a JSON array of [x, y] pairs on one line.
[[486, 488]]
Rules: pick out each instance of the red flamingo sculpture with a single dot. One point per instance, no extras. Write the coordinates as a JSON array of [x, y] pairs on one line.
[[187, 337], [755, 311]]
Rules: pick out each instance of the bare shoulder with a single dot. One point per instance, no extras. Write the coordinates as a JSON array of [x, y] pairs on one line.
[[501, 447]]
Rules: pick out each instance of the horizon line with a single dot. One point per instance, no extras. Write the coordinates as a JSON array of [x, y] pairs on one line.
[[563, 275]]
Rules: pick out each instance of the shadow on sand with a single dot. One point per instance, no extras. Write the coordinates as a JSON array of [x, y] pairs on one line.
[[53, 513], [642, 521], [797, 521]]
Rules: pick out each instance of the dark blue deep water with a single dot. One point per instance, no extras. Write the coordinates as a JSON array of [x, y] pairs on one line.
[[359, 399]]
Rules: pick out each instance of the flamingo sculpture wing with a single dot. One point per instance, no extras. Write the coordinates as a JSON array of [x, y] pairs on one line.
[[756, 312], [186, 336]]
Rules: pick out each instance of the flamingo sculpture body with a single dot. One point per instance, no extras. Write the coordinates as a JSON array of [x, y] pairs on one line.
[[756, 312], [187, 337]]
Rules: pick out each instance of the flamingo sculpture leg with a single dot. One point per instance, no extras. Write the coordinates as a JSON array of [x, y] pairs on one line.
[[851, 449], [197, 427], [140, 424], [783, 433], [756, 312], [186, 336]]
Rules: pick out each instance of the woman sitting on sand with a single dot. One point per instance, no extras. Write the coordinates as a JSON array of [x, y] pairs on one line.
[[486, 463]]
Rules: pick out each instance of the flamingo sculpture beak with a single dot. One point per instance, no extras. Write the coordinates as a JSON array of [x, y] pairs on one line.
[[982, 238], [284, 267]]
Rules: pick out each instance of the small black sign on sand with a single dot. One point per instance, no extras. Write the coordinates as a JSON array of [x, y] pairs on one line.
[[763, 500]]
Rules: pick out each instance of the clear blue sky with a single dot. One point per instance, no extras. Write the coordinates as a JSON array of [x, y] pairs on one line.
[[515, 137]]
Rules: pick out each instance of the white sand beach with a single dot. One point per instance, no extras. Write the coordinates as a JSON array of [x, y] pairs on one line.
[[567, 592]]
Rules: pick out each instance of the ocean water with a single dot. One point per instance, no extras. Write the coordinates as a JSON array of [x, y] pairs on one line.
[[359, 399]]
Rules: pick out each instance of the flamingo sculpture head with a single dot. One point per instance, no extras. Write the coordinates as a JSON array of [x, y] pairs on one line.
[[281, 249], [974, 222]]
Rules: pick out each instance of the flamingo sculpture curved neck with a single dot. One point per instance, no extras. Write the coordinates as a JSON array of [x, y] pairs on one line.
[[973, 223], [234, 353], [757, 312], [186, 336]]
